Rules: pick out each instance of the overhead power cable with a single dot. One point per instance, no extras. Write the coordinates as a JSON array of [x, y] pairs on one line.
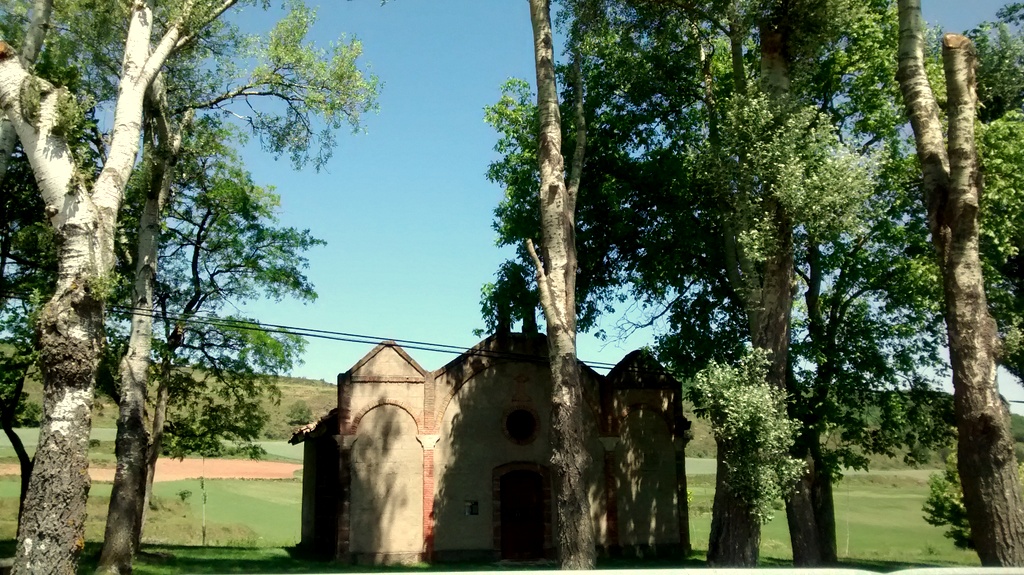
[[330, 335]]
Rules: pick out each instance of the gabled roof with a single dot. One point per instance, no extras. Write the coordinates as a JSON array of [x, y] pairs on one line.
[[387, 361], [502, 346], [640, 370], [390, 354]]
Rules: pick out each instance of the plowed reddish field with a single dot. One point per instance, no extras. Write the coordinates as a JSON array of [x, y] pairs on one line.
[[173, 470]]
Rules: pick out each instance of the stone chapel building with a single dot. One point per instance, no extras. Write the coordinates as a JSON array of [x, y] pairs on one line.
[[454, 464]]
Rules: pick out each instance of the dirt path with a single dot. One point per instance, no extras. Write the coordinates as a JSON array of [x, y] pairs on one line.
[[174, 470]]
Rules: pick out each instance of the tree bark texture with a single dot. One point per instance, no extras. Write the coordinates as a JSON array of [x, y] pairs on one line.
[[156, 437], [824, 513], [801, 516], [952, 182], [51, 534], [556, 279], [735, 538], [39, 23], [128, 495]]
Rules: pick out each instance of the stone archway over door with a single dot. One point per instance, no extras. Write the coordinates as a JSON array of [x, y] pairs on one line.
[[522, 515]]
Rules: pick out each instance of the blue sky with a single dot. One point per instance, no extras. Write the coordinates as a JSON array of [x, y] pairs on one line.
[[405, 208]]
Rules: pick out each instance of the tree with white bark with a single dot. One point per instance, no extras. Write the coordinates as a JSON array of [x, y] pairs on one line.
[[83, 212], [952, 188], [203, 86], [556, 280]]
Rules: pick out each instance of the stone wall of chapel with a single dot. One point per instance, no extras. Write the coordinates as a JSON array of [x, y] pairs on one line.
[[387, 488], [473, 441], [646, 481]]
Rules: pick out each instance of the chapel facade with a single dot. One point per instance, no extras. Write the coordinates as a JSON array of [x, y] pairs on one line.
[[454, 464]]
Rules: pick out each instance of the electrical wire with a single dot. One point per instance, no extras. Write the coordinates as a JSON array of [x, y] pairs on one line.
[[339, 336]]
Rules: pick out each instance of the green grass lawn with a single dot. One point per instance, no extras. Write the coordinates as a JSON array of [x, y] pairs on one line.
[[240, 513], [250, 525], [878, 522]]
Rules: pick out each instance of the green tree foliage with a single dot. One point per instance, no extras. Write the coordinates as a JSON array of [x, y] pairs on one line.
[[299, 413], [656, 198], [223, 247], [512, 297], [944, 506], [659, 200], [291, 94], [749, 420], [1000, 47]]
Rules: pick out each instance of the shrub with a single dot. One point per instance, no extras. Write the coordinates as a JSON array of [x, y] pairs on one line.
[[1017, 427], [299, 413], [754, 434], [28, 413], [944, 506]]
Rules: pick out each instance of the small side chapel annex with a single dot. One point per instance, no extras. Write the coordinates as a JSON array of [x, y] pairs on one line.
[[454, 464]]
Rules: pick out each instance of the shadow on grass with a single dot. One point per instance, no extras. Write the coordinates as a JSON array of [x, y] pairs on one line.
[[172, 559]]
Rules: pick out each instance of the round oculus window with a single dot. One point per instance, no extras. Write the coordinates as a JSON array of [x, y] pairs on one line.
[[521, 426]]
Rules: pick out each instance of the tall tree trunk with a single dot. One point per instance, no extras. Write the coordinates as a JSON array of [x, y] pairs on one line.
[[7, 422], [768, 299], [35, 34], [735, 538], [128, 495], [817, 479], [52, 529], [70, 327], [772, 333], [952, 182], [824, 510], [156, 437], [556, 280]]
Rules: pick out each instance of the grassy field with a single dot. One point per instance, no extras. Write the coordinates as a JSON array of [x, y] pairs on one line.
[[251, 524], [878, 520], [240, 513], [101, 448]]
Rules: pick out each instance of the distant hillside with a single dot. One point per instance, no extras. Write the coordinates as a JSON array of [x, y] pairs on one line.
[[311, 399], [317, 395]]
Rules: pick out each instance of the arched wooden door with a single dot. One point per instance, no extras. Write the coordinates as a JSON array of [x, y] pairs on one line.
[[522, 515]]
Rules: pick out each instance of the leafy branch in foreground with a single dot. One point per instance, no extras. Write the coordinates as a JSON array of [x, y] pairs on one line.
[[944, 506], [748, 418]]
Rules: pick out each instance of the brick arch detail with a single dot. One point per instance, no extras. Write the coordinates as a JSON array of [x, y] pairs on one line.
[[483, 366], [354, 426], [475, 368], [545, 477]]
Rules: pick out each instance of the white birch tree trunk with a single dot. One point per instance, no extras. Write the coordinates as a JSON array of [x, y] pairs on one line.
[[556, 280], [128, 495], [51, 534], [39, 22], [952, 184]]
